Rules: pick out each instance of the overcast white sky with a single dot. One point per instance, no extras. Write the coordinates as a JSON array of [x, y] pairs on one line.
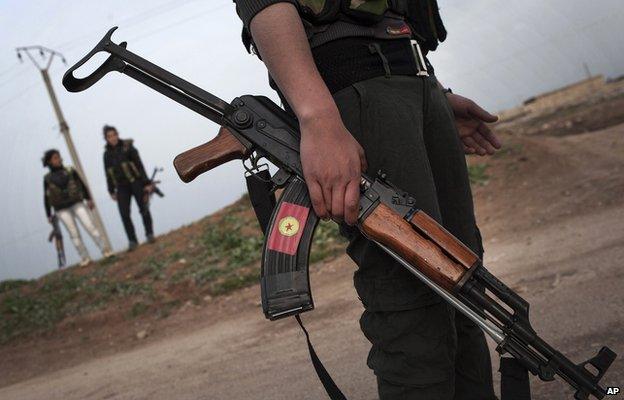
[[498, 52]]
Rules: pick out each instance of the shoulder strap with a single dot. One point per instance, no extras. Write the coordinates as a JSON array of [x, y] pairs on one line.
[[333, 391], [259, 187]]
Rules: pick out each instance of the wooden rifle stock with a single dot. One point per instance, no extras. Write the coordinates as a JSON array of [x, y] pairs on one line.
[[223, 148], [421, 242]]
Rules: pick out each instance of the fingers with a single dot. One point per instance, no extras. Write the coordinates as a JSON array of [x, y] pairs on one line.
[[352, 202], [481, 141], [346, 201], [485, 145], [327, 197], [488, 135], [338, 203], [316, 196], [363, 163], [338, 200], [468, 150], [476, 111], [472, 144]]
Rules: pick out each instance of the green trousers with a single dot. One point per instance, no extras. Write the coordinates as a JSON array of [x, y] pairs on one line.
[[421, 348]]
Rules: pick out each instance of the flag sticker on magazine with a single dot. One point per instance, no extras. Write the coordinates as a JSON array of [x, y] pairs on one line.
[[286, 233]]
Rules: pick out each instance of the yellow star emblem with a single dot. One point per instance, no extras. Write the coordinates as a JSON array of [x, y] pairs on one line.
[[288, 226]]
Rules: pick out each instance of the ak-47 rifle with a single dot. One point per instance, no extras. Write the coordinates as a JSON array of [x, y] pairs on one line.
[[258, 128], [155, 189], [155, 183], [57, 236]]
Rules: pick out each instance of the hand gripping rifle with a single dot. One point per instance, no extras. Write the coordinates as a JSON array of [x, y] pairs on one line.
[[257, 128], [57, 236]]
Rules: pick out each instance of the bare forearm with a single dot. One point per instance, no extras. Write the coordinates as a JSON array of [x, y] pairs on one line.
[[334, 187], [281, 40]]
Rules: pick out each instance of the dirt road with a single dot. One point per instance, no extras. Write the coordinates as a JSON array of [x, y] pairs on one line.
[[567, 262]]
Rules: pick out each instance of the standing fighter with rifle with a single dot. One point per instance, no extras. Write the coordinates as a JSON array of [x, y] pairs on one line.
[[125, 179], [352, 73], [66, 195], [393, 237]]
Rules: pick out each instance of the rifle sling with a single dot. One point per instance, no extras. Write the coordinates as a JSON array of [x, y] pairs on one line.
[[330, 386], [259, 187]]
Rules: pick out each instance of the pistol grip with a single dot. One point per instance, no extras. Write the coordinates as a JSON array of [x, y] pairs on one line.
[[223, 148]]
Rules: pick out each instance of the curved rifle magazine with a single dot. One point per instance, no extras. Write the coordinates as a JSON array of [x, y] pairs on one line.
[[285, 281]]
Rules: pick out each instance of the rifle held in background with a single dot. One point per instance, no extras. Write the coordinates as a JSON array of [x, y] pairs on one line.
[[57, 236]]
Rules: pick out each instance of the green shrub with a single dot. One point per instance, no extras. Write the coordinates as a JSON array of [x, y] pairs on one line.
[[477, 174]]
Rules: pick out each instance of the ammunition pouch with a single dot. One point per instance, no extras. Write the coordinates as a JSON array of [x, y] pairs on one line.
[[319, 11], [70, 194], [126, 171], [327, 11], [130, 171]]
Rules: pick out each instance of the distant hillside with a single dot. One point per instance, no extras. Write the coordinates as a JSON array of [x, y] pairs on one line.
[[211, 257]]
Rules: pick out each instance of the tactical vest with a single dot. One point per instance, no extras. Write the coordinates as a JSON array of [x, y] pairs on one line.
[[127, 168], [70, 194], [327, 20], [362, 11]]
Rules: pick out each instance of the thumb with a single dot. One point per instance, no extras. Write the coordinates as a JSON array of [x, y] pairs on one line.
[[481, 114]]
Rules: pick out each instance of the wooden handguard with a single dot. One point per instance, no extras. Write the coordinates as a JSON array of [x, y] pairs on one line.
[[422, 250], [443, 238], [223, 148]]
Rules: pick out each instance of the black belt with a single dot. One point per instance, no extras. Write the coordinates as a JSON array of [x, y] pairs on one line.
[[344, 62]]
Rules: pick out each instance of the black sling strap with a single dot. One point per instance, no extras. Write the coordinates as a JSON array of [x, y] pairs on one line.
[[330, 386], [259, 187]]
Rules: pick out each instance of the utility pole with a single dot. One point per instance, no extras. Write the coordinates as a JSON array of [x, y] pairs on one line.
[[43, 68]]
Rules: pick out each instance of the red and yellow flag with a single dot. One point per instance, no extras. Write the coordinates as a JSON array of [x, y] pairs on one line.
[[288, 229]]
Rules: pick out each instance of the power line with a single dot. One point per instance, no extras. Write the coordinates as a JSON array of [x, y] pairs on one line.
[[13, 76], [135, 38], [181, 21], [129, 21], [7, 70], [18, 95]]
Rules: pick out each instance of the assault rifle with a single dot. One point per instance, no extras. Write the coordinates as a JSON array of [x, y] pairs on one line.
[[257, 128], [156, 190], [154, 182], [57, 236]]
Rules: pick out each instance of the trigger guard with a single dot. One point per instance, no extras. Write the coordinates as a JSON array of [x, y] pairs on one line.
[[284, 277]]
